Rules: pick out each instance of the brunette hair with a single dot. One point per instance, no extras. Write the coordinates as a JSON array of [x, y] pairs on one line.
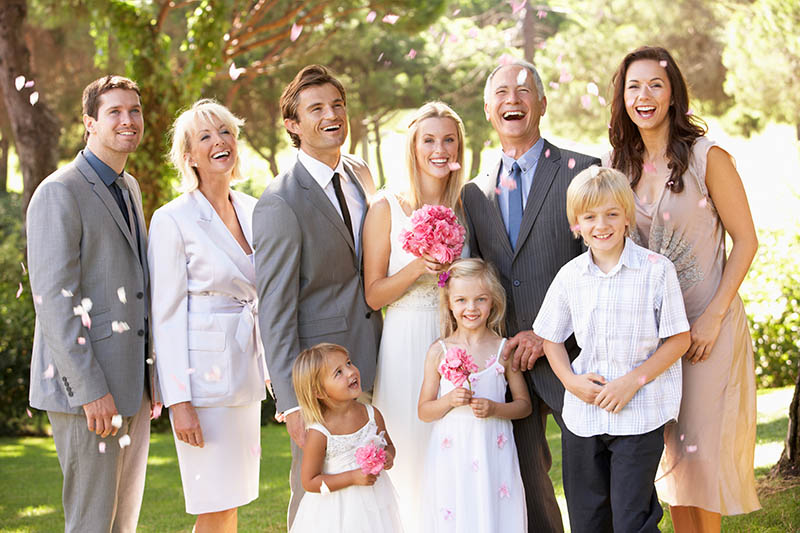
[[478, 270], [452, 192], [595, 185], [684, 127], [307, 379], [100, 86], [310, 76]]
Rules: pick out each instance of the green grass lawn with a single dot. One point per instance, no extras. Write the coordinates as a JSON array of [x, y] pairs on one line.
[[30, 482]]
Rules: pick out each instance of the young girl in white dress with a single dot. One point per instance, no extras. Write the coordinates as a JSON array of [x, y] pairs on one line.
[[472, 479], [340, 497]]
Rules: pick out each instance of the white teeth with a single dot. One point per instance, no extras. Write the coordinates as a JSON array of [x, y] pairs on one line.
[[127, 133], [513, 114], [439, 161], [646, 108], [220, 155], [331, 128]]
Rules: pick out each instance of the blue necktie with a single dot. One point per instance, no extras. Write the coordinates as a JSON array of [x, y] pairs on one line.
[[515, 205]]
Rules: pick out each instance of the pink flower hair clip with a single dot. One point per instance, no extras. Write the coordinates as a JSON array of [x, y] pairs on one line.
[[443, 277]]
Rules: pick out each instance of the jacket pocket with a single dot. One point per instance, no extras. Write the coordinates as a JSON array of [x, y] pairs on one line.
[[211, 363], [322, 326], [101, 326]]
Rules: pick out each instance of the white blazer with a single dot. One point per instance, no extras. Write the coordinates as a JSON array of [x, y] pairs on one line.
[[204, 305]]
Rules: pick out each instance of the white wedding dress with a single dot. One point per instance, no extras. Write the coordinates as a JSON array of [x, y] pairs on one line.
[[411, 325]]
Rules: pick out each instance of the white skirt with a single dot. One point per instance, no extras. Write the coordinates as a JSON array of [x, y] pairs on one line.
[[224, 473]]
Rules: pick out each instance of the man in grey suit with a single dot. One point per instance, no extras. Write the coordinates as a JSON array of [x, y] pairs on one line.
[[307, 237], [88, 274], [516, 219]]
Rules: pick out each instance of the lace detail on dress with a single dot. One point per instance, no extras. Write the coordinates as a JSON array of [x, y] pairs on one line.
[[339, 445], [664, 240], [423, 294]]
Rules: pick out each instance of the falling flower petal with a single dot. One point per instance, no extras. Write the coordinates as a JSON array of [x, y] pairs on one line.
[[390, 19], [515, 7], [24, 270], [66, 294], [380, 57], [663, 63], [702, 203], [213, 376], [689, 113], [691, 448], [456, 12], [19, 291], [575, 227], [81, 340], [571, 162], [29, 84], [411, 54], [190, 371], [116, 421], [547, 153], [473, 33], [371, 16], [49, 372], [497, 190], [503, 491], [653, 258], [102, 447], [522, 76], [121, 295], [541, 13], [446, 442], [453, 166], [553, 85], [601, 100], [197, 477], [19, 82], [178, 382], [30, 415], [235, 72], [506, 59], [649, 167], [119, 326], [255, 450], [124, 441], [34, 97], [508, 183], [297, 29], [564, 77], [586, 101], [682, 437], [157, 408], [642, 381], [501, 440], [37, 298], [149, 361], [499, 369], [86, 303], [447, 514], [475, 465], [665, 215], [592, 89]]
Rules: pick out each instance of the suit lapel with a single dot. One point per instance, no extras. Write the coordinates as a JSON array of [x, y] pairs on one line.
[[546, 170], [488, 184], [138, 213], [101, 190], [353, 176], [322, 203]]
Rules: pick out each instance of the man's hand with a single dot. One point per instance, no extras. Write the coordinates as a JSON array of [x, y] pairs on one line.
[[296, 428], [526, 347], [186, 424], [99, 414]]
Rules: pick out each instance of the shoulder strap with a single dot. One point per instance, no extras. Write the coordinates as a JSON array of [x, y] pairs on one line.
[[500, 349], [370, 412], [322, 429], [443, 345]]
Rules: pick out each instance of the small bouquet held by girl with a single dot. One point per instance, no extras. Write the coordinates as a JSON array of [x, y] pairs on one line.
[[435, 233]]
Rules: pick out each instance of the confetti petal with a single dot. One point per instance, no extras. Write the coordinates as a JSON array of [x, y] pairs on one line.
[[553, 85], [541, 13], [586, 101], [297, 29], [37, 299], [116, 421], [66, 294], [19, 82], [682, 437], [691, 448], [30, 415], [575, 227], [547, 153], [19, 291], [507, 183], [49, 372], [447, 514], [665, 215], [649, 167], [473, 33], [81, 340], [190, 371], [503, 491], [642, 381], [689, 113], [522, 76], [601, 100], [702, 203], [371, 16], [446, 443], [86, 303], [571, 163], [121, 295], [453, 166], [235, 72], [157, 408], [102, 447], [475, 465], [255, 450], [29, 84], [592, 89], [515, 7], [390, 19], [24, 270], [663, 63], [149, 361], [34, 97], [653, 258], [501, 440], [213, 376], [124, 441], [119, 326], [411, 54]]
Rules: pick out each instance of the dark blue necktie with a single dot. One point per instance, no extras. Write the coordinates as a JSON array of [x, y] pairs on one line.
[[515, 205]]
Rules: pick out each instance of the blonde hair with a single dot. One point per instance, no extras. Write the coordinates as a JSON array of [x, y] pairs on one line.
[[452, 193], [204, 110], [307, 379], [595, 185], [485, 272]]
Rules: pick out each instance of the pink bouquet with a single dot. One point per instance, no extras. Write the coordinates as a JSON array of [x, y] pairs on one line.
[[435, 231], [456, 367], [371, 458]]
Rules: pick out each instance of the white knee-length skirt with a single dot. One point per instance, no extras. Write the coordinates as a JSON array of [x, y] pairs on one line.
[[224, 473]]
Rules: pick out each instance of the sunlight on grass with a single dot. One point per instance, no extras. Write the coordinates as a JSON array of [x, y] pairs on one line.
[[160, 460], [38, 510]]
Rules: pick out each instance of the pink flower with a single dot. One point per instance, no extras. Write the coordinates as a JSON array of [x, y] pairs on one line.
[[501, 440], [434, 231], [503, 491], [447, 514], [443, 277], [446, 442], [456, 366], [371, 458]]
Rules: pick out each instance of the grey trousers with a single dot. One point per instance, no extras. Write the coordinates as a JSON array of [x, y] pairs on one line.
[[102, 492]]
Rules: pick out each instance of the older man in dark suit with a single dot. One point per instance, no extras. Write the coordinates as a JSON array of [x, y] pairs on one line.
[[516, 218]]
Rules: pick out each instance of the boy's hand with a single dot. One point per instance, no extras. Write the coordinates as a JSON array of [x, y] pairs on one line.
[[587, 387], [616, 394], [360, 478], [459, 396], [482, 407]]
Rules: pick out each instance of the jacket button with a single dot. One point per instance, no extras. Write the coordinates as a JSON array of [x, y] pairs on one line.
[[516, 283], [140, 295], [70, 394], [64, 379], [140, 333], [369, 314]]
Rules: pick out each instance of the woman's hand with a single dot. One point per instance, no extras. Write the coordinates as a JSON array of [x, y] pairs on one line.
[[431, 266], [704, 332], [459, 396], [186, 424], [482, 407]]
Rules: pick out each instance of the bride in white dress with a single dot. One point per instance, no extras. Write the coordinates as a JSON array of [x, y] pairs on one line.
[[407, 286]]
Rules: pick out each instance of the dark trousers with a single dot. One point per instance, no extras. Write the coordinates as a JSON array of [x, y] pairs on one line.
[[609, 482]]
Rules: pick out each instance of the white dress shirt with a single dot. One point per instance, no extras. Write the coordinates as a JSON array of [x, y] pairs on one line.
[[619, 319], [323, 175]]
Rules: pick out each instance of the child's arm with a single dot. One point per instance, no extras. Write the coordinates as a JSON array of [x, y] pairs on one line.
[[584, 386], [390, 450], [617, 393], [429, 407], [311, 471], [518, 407]]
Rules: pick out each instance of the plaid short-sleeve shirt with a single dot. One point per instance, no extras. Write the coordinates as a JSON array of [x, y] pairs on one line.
[[619, 319]]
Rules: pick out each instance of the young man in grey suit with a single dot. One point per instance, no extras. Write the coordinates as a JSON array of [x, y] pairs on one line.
[[88, 271], [516, 219], [307, 237]]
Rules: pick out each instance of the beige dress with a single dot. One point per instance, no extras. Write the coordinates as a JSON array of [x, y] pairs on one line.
[[708, 459]]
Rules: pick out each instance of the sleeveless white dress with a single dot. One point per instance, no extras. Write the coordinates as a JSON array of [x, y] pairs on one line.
[[410, 326], [357, 508], [471, 476]]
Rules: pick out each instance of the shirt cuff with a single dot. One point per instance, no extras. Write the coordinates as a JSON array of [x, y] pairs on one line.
[[290, 411]]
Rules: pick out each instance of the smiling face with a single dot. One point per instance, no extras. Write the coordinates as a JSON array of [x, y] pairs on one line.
[[212, 149], [341, 380], [647, 95], [514, 108], [470, 302], [118, 128], [321, 122], [603, 229], [436, 147]]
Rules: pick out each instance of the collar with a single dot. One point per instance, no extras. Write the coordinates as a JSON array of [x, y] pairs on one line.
[[631, 258], [105, 172], [322, 173], [528, 160]]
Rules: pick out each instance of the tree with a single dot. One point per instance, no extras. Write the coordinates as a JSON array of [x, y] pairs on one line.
[[34, 126]]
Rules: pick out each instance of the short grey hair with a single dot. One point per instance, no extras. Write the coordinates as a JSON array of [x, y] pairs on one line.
[[515, 63]]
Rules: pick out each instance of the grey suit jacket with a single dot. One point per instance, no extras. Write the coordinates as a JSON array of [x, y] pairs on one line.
[[80, 247], [309, 279], [544, 245]]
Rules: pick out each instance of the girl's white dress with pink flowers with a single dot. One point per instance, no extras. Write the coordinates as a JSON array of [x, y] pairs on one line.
[[472, 480], [355, 509]]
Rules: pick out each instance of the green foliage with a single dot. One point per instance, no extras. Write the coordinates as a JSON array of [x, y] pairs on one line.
[[17, 320], [771, 294]]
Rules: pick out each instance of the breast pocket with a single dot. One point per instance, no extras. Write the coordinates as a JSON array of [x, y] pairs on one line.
[[207, 344], [321, 327]]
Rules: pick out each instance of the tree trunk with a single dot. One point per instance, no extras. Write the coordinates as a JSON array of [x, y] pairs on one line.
[[35, 127], [789, 463], [376, 129], [529, 32], [475, 148], [356, 133], [4, 145]]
